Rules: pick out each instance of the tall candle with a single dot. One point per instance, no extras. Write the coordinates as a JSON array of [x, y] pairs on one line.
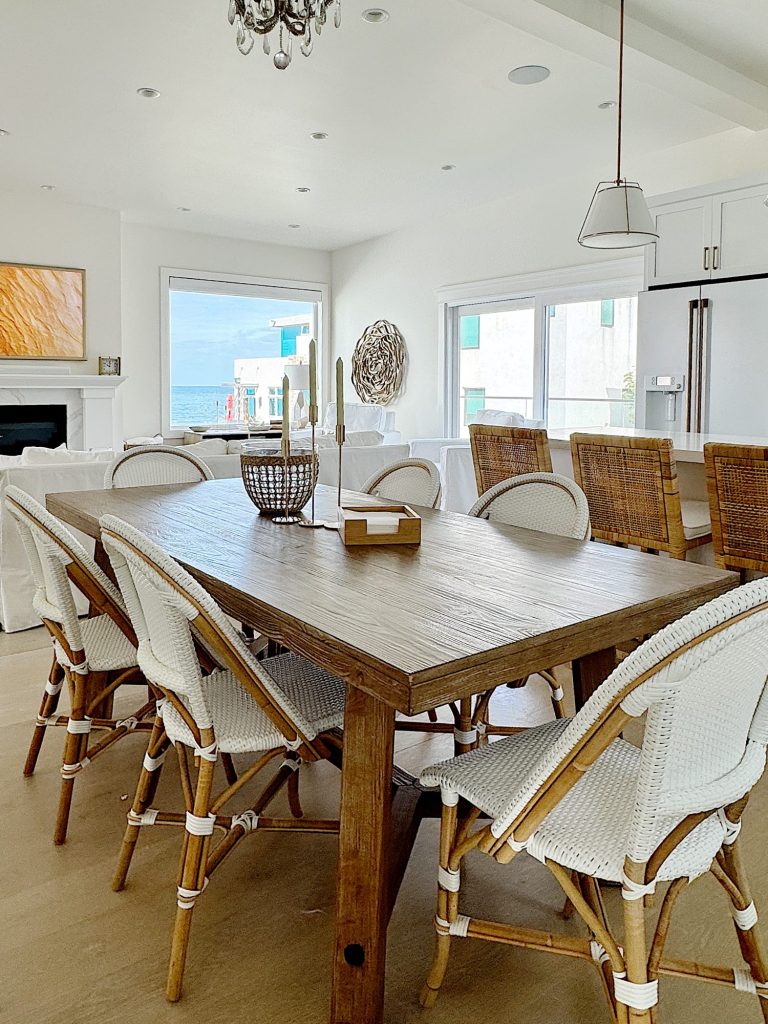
[[313, 378], [339, 392], [286, 438]]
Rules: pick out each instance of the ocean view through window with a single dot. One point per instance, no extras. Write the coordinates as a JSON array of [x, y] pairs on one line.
[[229, 346]]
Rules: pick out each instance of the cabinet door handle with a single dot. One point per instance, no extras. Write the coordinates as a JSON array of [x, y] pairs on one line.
[[706, 257], [716, 258]]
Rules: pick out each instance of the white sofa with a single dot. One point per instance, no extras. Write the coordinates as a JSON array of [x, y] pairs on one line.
[[65, 472]]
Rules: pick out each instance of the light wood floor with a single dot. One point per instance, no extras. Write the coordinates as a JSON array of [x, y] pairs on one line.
[[73, 952]]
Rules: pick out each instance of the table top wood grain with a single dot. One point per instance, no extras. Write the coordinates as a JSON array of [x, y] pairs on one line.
[[475, 605]]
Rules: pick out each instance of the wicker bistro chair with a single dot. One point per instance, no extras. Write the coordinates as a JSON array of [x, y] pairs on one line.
[[633, 494], [591, 806], [737, 483], [156, 464], [499, 453], [94, 656], [410, 481], [281, 707]]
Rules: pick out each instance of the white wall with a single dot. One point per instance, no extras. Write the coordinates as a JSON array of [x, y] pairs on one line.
[[145, 250], [46, 231], [395, 277]]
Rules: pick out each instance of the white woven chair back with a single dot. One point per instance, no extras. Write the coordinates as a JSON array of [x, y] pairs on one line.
[[409, 482], [702, 682], [156, 464], [537, 501], [51, 548], [163, 602]]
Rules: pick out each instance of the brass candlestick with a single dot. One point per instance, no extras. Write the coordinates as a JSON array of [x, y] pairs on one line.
[[341, 435], [285, 449], [312, 523]]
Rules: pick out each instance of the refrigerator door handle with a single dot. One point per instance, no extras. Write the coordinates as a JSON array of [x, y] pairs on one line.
[[693, 307], [701, 340]]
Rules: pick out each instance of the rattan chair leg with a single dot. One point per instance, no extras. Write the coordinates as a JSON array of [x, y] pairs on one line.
[[294, 800], [558, 705], [73, 750], [750, 939], [192, 883], [636, 954], [145, 791], [48, 707], [229, 768], [432, 716], [447, 910]]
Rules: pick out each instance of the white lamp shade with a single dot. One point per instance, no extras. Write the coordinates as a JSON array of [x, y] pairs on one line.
[[618, 218], [298, 376]]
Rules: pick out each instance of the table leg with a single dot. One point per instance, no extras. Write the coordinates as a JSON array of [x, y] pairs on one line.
[[362, 905], [590, 671]]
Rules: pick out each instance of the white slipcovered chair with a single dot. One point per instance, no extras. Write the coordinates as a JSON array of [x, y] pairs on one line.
[[156, 464], [93, 656], [282, 707], [409, 481], [591, 806]]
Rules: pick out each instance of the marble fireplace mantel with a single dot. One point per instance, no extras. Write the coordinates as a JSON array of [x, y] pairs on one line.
[[94, 413]]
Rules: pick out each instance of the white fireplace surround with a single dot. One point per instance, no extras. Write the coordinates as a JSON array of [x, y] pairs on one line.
[[94, 410]]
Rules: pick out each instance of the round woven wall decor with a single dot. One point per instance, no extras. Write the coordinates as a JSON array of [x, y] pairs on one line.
[[378, 363]]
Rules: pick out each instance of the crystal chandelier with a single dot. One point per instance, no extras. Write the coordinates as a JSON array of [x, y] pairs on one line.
[[287, 18]]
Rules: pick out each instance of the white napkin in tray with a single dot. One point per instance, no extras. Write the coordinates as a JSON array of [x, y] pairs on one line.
[[379, 522]]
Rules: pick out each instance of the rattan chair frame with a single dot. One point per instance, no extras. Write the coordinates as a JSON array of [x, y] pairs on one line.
[[200, 856], [91, 694], [499, 453], [429, 468], [633, 492], [639, 961], [737, 486], [165, 451]]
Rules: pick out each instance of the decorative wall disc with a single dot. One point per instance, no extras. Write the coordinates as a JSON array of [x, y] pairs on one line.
[[378, 363]]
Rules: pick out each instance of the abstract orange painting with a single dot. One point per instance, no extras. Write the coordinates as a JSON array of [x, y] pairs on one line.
[[42, 312]]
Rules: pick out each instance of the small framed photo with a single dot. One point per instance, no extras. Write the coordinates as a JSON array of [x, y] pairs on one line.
[[109, 366]]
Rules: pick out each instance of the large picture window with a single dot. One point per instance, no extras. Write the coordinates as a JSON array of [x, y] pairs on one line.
[[228, 343], [565, 356]]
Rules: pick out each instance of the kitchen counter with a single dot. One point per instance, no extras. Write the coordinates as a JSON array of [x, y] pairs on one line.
[[686, 447]]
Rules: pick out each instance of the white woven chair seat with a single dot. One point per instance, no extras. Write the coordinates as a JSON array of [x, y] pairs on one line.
[[107, 649], [239, 723], [589, 829], [696, 520]]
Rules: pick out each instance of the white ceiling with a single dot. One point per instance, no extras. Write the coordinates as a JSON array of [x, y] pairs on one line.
[[230, 135]]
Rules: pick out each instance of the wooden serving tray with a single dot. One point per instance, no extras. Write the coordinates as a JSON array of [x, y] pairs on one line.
[[354, 527]]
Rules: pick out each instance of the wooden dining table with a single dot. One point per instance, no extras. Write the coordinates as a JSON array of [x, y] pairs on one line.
[[409, 628]]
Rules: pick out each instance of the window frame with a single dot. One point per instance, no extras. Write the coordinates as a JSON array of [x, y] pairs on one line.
[[607, 279], [318, 292]]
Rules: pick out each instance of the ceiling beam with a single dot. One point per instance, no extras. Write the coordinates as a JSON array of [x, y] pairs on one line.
[[586, 26]]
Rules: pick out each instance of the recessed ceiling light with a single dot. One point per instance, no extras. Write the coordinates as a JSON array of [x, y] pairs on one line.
[[303, 189], [319, 136], [48, 188], [184, 209], [375, 15], [529, 74], [448, 167], [607, 105], [148, 94], [294, 225], [3, 133]]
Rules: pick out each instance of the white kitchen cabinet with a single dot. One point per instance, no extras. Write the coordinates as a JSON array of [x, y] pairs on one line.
[[709, 235]]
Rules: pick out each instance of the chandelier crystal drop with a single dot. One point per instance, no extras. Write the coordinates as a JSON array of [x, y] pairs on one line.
[[279, 21]]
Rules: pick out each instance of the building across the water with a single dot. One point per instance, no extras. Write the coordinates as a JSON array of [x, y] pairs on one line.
[[258, 383]]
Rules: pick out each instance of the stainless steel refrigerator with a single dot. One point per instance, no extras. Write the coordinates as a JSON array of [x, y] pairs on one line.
[[702, 358]]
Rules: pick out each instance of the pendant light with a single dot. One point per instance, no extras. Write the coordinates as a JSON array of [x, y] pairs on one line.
[[618, 217]]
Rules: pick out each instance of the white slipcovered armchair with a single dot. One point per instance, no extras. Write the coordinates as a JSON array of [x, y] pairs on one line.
[[358, 417]]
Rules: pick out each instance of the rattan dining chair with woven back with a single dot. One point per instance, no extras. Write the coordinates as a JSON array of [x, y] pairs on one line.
[[283, 707], [591, 806], [148, 465], [633, 492], [94, 657], [499, 453], [737, 484]]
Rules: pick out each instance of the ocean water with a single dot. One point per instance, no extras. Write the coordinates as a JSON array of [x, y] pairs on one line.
[[193, 405]]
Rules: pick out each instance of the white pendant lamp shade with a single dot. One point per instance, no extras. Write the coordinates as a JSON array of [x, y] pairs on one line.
[[298, 376], [618, 218]]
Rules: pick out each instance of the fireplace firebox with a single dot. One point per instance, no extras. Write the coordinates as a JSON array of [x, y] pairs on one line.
[[25, 425]]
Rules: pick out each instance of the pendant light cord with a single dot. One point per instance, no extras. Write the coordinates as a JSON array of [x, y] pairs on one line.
[[621, 92]]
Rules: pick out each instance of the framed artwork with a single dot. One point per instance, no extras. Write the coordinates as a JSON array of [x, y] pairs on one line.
[[42, 312]]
